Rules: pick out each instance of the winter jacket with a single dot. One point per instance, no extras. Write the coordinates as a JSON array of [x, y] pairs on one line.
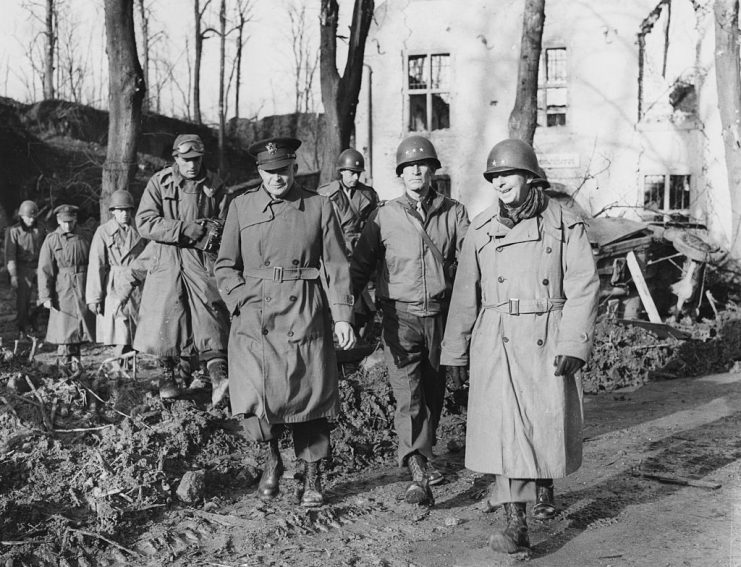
[[352, 212]]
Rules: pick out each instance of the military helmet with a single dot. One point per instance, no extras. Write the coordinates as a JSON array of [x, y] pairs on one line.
[[351, 160], [415, 148], [28, 209], [512, 154], [121, 200]]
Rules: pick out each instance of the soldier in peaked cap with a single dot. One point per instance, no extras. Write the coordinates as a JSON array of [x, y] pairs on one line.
[[180, 306], [22, 246], [61, 274], [115, 246], [416, 238], [278, 239]]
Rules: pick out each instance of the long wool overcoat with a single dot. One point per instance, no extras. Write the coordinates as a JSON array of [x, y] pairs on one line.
[[282, 364], [180, 305], [61, 274], [112, 252], [352, 212], [523, 422]]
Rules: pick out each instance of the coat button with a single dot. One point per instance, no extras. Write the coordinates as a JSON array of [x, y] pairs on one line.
[[540, 342], [548, 250], [505, 340], [500, 279], [267, 262], [293, 298], [264, 331], [295, 262], [290, 333], [268, 299], [499, 248], [546, 282]]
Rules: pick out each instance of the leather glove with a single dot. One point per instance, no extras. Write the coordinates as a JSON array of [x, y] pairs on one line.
[[566, 365], [95, 308], [455, 377], [192, 230], [14, 282]]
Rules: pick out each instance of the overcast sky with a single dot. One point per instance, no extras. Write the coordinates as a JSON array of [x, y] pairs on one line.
[[267, 83]]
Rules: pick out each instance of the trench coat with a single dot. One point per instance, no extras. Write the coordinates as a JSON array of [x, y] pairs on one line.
[[523, 422], [352, 212], [282, 363], [61, 275], [180, 305], [112, 252], [22, 247]]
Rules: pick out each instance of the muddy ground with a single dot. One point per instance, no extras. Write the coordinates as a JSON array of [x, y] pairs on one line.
[[95, 482]]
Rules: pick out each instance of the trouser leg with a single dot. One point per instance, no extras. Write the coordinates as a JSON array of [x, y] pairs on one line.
[[23, 303], [506, 489], [311, 440]]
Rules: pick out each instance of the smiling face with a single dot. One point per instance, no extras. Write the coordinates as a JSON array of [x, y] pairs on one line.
[[511, 186], [417, 178], [278, 182]]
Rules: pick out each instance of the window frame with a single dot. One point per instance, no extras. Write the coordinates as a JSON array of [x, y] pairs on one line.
[[665, 210], [428, 91], [546, 84]]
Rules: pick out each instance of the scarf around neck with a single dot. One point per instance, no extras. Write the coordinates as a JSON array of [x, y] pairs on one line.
[[535, 203]]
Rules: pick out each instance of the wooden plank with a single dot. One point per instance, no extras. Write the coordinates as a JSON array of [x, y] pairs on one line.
[[642, 287]]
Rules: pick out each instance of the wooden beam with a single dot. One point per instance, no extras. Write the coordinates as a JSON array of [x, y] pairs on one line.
[[642, 287]]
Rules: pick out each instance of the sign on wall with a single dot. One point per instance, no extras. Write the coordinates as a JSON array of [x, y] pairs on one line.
[[558, 160]]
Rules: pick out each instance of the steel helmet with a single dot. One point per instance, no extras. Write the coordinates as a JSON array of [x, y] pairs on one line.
[[415, 148], [121, 200], [352, 160], [512, 154], [28, 209]]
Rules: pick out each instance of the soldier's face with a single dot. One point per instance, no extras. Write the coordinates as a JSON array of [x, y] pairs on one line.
[[28, 221], [349, 178], [511, 186], [122, 216], [189, 167], [417, 177], [67, 225], [278, 182]]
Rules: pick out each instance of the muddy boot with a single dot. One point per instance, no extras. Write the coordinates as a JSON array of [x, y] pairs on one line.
[[313, 496], [514, 537], [434, 476], [270, 479], [168, 388], [218, 372], [544, 508], [418, 492]]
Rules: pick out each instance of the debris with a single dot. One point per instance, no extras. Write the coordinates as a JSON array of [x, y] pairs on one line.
[[191, 487], [673, 479], [642, 287]]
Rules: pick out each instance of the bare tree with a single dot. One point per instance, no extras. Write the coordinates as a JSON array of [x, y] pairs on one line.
[[51, 38], [728, 79], [126, 91], [340, 93], [243, 16], [305, 58], [45, 13], [199, 35], [524, 116], [222, 86], [144, 14]]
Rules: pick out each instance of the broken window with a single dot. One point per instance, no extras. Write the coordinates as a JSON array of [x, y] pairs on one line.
[[667, 194], [552, 89], [428, 87], [442, 184]]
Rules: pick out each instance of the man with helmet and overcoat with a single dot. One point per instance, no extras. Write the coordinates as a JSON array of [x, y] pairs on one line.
[[414, 240], [115, 246], [22, 245], [522, 316]]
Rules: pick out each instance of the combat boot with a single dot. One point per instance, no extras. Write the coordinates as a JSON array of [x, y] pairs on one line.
[[270, 480], [168, 388], [514, 537], [544, 508], [312, 496], [218, 372], [418, 491]]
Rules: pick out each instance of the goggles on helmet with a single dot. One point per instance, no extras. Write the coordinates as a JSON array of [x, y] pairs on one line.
[[190, 146]]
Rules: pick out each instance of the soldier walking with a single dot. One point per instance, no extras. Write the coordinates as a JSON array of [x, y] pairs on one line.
[[277, 240], [522, 315], [22, 246], [416, 238], [63, 261]]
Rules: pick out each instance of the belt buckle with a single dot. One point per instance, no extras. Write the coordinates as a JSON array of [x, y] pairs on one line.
[[514, 306], [278, 274]]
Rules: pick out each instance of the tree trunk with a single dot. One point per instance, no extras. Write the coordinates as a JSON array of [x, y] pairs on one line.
[[222, 65], [126, 91], [51, 40], [728, 79], [146, 105], [240, 32], [197, 63], [340, 93], [524, 116]]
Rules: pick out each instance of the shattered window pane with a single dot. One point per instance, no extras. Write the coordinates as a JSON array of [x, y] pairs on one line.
[[653, 191], [679, 192], [440, 72], [442, 184], [440, 111], [417, 113], [555, 65], [417, 72]]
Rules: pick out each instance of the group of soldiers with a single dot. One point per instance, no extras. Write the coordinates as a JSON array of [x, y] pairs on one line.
[[511, 297]]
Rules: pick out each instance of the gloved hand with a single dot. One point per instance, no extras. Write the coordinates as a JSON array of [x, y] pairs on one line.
[[47, 304], [95, 308], [14, 282], [345, 335], [566, 365], [455, 377], [192, 230]]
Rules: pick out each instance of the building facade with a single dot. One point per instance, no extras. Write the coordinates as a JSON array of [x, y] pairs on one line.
[[627, 121]]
